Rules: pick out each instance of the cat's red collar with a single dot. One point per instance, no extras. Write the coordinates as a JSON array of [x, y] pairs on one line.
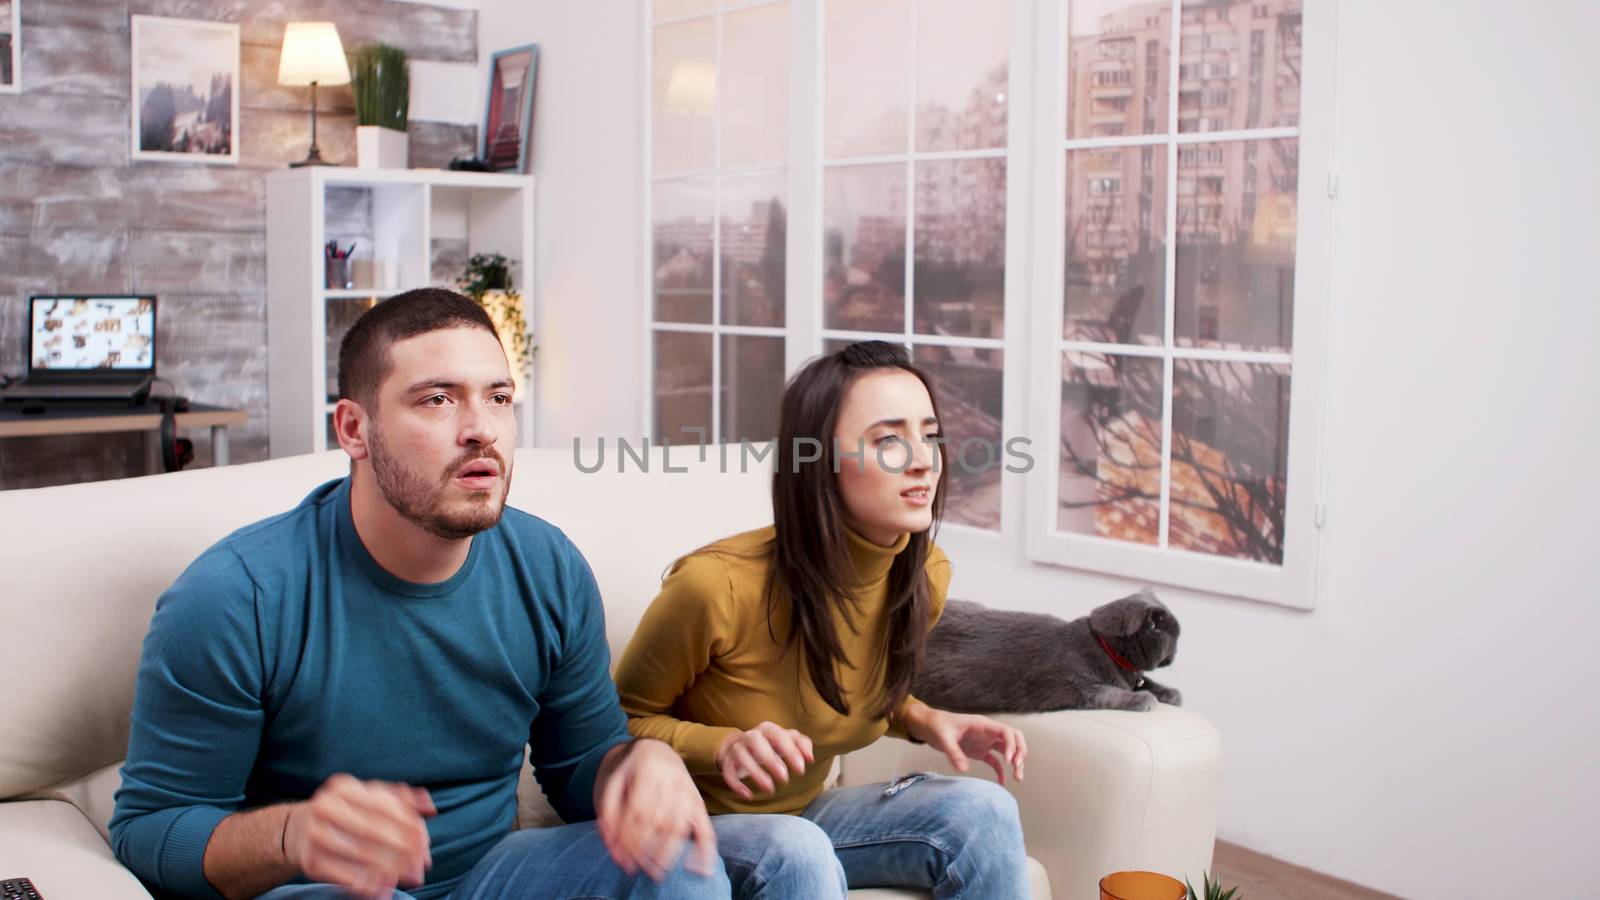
[[1115, 656]]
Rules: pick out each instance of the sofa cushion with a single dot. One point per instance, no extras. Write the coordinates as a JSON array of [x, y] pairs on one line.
[[51, 843], [632, 525], [94, 795], [83, 566]]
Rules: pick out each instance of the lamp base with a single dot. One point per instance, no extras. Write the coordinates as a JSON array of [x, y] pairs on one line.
[[313, 158], [313, 153]]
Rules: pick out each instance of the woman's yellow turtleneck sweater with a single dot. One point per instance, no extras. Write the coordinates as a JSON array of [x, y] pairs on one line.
[[703, 664]]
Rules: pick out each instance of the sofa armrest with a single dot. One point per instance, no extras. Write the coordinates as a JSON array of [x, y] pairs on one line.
[[1105, 791]]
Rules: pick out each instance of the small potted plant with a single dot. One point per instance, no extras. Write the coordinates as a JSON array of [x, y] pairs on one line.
[[1210, 890], [487, 279], [381, 78]]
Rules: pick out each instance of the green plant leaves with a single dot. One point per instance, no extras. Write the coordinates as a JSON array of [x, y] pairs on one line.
[[1212, 890], [487, 272], [381, 78]]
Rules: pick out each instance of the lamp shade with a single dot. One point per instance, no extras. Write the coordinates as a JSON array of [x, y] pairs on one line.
[[312, 54], [691, 88]]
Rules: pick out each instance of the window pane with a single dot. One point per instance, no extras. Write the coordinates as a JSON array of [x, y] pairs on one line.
[[864, 252], [682, 386], [1116, 260], [755, 86], [684, 96], [1239, 65], [959, 284], [670, 9], [1117, 68], [1230, 430], [1285, 67], [833, 345], [963, 56], [754, 225], [968, 382], [752, 386], [682, 255], [1111, 447], [868, 61], [1236, 244]]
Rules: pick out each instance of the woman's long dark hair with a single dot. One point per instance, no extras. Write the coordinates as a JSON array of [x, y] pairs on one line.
[[810, 563]]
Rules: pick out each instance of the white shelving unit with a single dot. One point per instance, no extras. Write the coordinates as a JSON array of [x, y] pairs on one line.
[[396, 218]]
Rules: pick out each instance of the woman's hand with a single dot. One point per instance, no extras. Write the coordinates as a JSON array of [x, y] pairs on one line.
[[766, 748], [964, 737]]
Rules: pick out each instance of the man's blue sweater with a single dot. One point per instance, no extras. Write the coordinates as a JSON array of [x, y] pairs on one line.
[[286, 654]]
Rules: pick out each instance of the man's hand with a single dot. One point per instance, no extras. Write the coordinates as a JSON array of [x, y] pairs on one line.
[[965, 737], [765, 748], [648, 806], [365, 836]]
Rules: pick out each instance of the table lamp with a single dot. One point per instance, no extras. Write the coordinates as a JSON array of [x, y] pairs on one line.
[[312, 55]]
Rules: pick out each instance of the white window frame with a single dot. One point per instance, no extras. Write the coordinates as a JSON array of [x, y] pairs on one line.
[[716, 173], [1294, 582], [1012, 345], [806, 241], [1034, 308]]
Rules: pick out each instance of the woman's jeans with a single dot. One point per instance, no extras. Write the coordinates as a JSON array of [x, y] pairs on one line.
[[953, 836]]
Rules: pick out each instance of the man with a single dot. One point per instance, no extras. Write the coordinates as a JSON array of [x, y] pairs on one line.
[[335, 700]]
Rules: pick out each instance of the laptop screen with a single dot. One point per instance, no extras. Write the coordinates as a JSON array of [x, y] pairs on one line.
[[92, 335]]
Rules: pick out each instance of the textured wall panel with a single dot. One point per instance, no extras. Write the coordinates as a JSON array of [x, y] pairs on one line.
[[199, 262], [63, 128], [88, 15], [59, 60], [426, 32], [78, 216], [433, 144]]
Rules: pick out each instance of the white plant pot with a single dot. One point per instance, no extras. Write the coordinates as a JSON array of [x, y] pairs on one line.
[[381, 148]]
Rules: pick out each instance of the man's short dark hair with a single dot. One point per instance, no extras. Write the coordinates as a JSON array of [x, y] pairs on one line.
[[364, 353]]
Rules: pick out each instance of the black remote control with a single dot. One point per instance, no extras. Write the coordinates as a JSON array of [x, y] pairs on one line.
[[18, 889]]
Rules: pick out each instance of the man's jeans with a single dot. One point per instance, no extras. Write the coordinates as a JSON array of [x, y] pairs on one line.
[[564, 863], [956, 837]]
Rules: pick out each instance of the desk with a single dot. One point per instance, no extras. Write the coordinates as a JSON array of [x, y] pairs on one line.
[[80, 418]]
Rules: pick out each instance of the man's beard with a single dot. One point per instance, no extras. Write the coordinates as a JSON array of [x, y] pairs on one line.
[[421, 502]]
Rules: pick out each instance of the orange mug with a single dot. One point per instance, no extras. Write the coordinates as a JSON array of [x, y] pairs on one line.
[[1141, 886]]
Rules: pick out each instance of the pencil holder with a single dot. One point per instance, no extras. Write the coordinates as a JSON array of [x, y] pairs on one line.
[[338, 273]]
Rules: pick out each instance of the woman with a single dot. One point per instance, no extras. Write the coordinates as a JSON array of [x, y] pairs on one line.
[[769, 653]]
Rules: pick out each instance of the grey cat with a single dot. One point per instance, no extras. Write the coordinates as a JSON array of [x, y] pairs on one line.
[[983, 660]]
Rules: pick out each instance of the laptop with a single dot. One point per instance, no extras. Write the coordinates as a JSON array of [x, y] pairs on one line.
[[88, 348]]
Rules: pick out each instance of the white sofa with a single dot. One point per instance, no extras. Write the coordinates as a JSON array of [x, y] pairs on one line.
[[82, 565]]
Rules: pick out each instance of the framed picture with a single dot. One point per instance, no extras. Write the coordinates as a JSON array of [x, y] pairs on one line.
[[185, 102], [10, 46], [508, 122]]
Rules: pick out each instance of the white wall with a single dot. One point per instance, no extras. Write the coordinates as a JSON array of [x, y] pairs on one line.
[[443, 92], [588, 134], [446, 92], [1429, 729]]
